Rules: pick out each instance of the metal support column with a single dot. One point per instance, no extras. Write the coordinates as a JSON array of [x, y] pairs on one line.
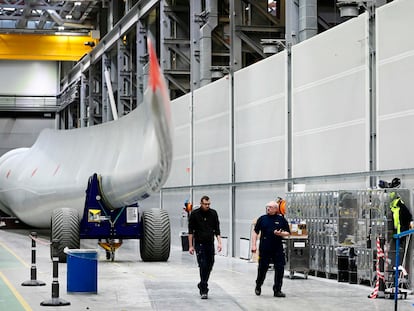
[[232, 64], [289, 114], [308, 19], [83, 100], [125, 95], [195, 10], [372, 92], [141, 59], [292, 22], [210, 23]]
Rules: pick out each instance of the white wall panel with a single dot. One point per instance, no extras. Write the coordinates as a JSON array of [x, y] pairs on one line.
[[173, 203], [260, 120], [211, 132], [29, 78], [180, 174], [320, 153], [331, 53], [395, 92], [23, 132], [250, 204], [330, 102]]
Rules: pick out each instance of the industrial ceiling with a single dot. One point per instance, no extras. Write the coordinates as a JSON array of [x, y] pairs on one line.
[[48, 16]]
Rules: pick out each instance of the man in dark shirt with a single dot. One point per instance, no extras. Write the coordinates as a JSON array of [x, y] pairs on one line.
[[203, 225], [272, 228]]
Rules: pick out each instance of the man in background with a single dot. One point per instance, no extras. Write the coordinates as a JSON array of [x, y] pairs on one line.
[[203, 225]]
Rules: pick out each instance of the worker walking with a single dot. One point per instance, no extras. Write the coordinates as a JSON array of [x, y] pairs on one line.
[[203, 225], [272, 227]]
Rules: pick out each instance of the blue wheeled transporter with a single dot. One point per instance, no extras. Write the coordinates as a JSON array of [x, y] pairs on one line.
[[111, 226]]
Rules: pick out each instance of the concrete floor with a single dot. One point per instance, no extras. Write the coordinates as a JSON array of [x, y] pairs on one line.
[[130, 284]]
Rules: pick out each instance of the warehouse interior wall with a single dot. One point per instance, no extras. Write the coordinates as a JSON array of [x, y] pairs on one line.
[[28, 95], [318, 139], [29, 78]]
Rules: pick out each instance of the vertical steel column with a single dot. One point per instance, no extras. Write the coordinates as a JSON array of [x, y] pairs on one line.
[[289, 114], [125, 97], [82, 98], [91, 98], [206, 30], [165, 32], [106, 62], [372, 92], [292, 22], [141, 60], [195, 9], [236, 42], [232, 63], [308, 19]]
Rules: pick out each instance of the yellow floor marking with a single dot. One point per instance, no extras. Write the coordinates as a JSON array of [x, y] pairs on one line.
[[14, 254], [15, 293]]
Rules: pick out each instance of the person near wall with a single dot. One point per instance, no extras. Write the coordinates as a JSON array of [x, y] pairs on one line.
[[203, 226], [272, 227], [402, 217]]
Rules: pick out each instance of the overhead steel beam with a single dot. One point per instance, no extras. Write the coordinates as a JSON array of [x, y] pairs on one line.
[[138, 11], [255, 46], [43, 47], [262, 12]]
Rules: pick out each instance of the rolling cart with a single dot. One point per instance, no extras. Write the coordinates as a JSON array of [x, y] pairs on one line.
[[297, 255]]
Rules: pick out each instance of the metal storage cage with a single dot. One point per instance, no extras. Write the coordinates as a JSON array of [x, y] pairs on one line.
[[345, 218]]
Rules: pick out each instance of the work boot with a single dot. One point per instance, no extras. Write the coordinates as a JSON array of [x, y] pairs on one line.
[[279, 294]]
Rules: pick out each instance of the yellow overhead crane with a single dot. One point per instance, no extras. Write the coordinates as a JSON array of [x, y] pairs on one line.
[[45, 47]]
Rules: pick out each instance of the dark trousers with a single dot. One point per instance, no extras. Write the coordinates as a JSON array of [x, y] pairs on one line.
[[279, 266], [205, 259]]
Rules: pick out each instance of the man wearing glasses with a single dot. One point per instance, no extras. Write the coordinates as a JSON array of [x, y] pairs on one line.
[[203, 225], [272, 227]]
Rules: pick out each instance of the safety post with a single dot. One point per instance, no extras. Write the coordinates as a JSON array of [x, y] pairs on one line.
[[33, 270], [397, 237], [55, 301]]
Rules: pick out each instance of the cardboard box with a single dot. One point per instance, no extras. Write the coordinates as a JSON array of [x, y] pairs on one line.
[[298, 229]]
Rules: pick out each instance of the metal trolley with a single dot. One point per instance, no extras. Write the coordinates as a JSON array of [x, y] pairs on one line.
[[297, 253]]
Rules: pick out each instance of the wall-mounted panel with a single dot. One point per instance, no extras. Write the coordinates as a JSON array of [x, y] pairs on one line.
[[329, 152], [331, 53], [395, 92], [211, 133], [180, 174], [29, 78], [250, 205], [173, 203], [260, 120], [330, 102], [16, 133]]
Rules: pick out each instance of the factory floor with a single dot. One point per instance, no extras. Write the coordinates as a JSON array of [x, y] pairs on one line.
[[130, 284]]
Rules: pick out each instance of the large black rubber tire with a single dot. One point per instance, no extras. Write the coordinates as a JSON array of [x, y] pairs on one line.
[[155, 243], [64, 228]]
